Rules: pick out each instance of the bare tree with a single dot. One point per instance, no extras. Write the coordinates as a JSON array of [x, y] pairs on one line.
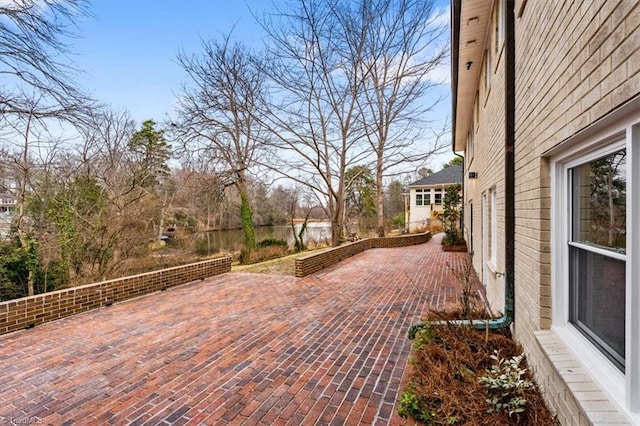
[[201, 193], [31, 157], [404, 44], [120, 222], [34, 57], [217, 114], [314, 117]]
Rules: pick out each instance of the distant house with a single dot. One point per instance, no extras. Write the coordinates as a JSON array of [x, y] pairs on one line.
[[426, 195], [8, 205]]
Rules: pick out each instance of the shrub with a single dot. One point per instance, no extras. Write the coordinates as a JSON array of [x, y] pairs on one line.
[[399, 220], [451, 214], [505, 384], [272, 242], [262, 253], [413, 405]]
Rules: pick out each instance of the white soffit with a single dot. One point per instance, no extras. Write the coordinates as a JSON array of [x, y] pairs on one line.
[[474, 31]]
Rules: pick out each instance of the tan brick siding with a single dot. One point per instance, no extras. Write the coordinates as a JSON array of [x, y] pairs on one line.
[[30, 311], [575, 62], [488, 162]]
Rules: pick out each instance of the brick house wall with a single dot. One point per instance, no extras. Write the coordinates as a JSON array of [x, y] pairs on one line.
[[577, 62], [582, 64]]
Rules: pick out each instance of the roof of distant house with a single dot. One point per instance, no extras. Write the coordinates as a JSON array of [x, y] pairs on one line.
[[448, 175]]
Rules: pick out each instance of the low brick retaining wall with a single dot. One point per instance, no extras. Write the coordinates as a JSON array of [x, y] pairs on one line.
[[30, 311], [307, 265]]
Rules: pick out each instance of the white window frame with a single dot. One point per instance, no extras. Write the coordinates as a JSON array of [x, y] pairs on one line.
[[487, 72], [484, 238], [437, 191], [425, 195], [609, 135], [493, 258], [419, 192], [499, 26]]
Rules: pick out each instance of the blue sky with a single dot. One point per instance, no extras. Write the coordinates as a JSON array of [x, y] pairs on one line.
[[127, 49]]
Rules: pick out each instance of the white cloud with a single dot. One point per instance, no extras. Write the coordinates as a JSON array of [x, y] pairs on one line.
[[441, 16], [441, 74]]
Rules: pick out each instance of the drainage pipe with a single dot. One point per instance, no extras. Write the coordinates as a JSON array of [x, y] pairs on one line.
[[509, 180]]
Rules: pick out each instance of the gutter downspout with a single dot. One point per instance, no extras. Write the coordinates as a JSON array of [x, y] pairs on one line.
[[509, 160], [509, 174]]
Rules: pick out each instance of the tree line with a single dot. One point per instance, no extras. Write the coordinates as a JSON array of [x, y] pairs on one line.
[[320, 121]]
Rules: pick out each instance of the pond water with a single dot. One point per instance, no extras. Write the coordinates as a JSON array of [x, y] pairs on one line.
[[233, 240]]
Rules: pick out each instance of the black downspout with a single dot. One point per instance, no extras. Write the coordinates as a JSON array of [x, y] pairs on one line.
[[509, 160]]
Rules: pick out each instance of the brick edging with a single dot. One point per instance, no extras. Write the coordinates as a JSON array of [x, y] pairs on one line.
[[27, 312], [307, 265]]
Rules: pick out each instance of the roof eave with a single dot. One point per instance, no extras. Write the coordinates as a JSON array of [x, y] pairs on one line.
[[470, 31]]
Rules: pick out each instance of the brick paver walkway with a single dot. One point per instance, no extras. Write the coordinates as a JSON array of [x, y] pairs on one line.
[[235, 349]]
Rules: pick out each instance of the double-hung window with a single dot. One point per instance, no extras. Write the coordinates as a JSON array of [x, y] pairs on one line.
[[418, 197], [437, 196], [423, 197], [596, 253], [596, 242]]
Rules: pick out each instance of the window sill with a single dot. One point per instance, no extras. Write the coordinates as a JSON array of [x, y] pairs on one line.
[[593, 403]]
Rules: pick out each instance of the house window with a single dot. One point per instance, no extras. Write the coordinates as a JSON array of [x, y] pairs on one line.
[[437, 196], [470, 143], [487, 71], [423, 197], [490, 227], [498, 25], [596, 253], [493, 234]]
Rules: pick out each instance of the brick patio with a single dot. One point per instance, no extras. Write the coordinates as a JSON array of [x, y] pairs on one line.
[[238, 348]]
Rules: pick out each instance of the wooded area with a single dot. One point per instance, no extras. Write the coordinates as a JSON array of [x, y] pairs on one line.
[[320, 123]]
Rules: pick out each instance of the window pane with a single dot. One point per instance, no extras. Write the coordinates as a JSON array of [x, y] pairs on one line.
[[597, 294], [437, 196], [599, 202]]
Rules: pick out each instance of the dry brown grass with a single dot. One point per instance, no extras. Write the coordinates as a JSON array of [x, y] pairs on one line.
[[281, 266], [444, 373]]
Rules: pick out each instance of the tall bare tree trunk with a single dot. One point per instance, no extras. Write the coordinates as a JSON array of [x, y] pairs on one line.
[[379, 196], [25, 239]]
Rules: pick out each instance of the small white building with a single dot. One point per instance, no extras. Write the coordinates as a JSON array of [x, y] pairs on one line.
[[426, 195], [8, 205]]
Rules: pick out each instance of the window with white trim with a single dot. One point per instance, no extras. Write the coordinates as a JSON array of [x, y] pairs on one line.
[[597, 251], [596, 272], [487, 71], [498, 25], [423, 197], [493, 243], [476, 112], [437, 196]]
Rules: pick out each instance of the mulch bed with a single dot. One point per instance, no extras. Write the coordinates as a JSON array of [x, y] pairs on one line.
[[446, 364]]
